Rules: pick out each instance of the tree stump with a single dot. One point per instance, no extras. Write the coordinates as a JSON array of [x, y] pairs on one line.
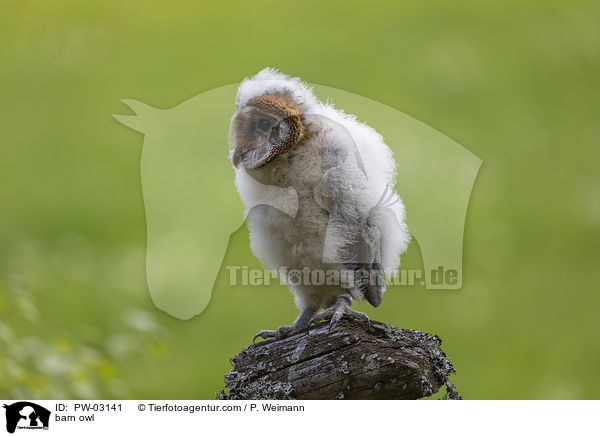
[[347, 363]]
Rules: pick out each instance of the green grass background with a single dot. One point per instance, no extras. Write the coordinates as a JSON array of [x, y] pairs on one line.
[[514, 82]]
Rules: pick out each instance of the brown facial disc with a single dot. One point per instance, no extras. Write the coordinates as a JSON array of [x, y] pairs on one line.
[[283, 108]]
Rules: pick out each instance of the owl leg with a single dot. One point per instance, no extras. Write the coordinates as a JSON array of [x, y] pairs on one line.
[[340, 308], [302, 323]]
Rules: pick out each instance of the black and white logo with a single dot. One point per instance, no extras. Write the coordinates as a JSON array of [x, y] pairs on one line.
[[26, 415]]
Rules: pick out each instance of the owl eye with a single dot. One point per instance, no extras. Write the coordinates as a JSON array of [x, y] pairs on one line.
[[263, 125]]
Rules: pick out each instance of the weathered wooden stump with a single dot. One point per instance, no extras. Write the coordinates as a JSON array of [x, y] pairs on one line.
[[346, 363]]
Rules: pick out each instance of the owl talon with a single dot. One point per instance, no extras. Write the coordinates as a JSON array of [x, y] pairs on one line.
[[362, 316], [322, 316], [337, 311], [355, 313], [265, 334], [335, 318], [281, 333]]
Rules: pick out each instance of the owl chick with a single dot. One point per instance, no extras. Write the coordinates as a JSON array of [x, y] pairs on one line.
[[350, 224]]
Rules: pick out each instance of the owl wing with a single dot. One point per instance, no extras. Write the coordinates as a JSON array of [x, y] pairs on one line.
[[353, 240]]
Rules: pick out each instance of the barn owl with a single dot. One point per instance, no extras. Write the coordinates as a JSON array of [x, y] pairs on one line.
[[350, 223]]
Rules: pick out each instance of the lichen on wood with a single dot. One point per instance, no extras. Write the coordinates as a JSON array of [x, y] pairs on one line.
[[348, 362]]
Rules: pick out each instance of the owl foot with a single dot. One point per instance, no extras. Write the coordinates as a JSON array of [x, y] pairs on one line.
[[302, 323], [281, 333], [334, 313]]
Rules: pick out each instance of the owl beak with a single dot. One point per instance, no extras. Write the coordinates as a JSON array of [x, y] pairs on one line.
[[252, 158], [236, 157]]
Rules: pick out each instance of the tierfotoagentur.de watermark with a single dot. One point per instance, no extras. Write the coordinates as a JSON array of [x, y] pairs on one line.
[[244, 276]]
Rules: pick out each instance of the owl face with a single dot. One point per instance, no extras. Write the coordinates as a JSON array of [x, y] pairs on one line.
[[265, 128]]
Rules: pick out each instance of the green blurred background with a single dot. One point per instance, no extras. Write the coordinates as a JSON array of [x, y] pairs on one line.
[[516, 83]]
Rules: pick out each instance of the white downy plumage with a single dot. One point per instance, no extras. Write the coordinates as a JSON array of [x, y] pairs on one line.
[[349, 216]]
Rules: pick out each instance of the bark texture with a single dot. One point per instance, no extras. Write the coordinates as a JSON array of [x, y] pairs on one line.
[[347, 363]]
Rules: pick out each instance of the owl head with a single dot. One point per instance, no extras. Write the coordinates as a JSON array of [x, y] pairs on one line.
[[270, 119]]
